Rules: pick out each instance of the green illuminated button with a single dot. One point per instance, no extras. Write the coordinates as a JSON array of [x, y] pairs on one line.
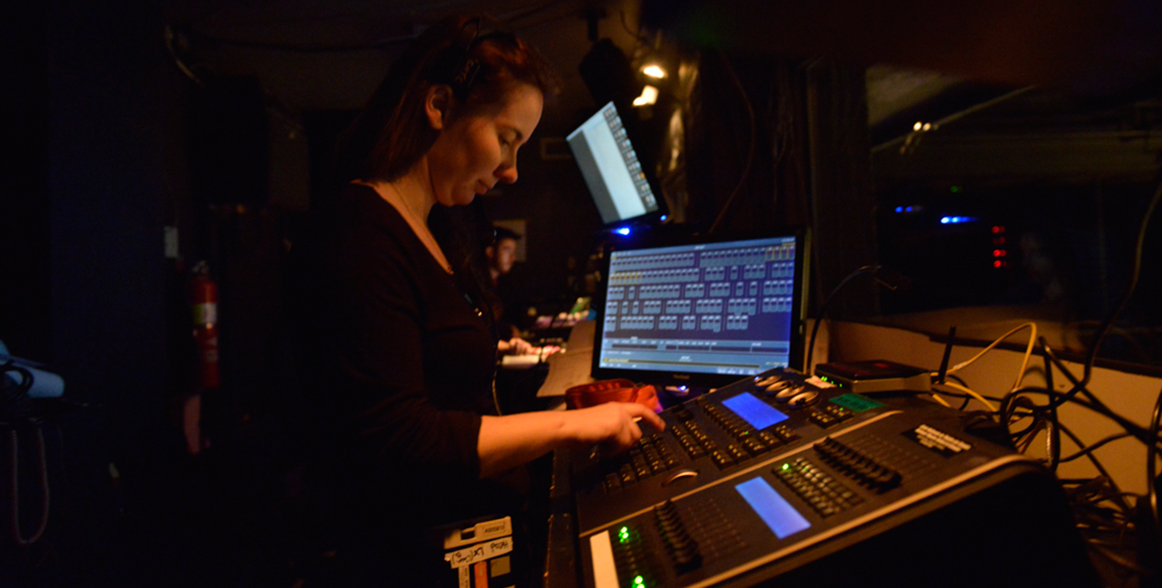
[[856, 402]]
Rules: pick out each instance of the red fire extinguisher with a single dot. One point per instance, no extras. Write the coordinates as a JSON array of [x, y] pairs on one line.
[[204, 297]]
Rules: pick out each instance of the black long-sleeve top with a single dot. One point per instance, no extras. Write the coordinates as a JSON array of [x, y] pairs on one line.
[[397, 366]]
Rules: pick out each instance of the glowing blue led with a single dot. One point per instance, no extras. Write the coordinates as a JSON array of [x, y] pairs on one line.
[[623, 231], [955, 220], [899, 209], [664, 217]]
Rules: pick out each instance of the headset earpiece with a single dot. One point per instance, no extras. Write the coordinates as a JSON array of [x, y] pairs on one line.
[[463, 68]]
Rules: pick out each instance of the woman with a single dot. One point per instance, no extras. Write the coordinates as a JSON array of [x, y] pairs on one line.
[[399, 359]]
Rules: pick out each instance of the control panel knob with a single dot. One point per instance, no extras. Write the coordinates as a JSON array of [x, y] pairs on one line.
[[802, 399], [776, 387], [763, 383], [786, 394]]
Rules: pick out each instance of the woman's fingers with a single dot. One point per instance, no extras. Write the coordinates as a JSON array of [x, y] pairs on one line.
[[628, 428], [643, 413], [614, 426]]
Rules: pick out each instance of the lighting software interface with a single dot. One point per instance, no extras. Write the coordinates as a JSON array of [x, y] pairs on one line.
[[719, 308]]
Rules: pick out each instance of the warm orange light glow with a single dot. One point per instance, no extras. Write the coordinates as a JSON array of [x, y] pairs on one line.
[[654, 71], [649, 96]]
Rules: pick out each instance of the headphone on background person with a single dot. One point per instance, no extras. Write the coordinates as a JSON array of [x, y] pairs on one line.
[[459, 69]]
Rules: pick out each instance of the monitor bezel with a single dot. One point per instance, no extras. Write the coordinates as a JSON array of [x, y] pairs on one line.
[[703, 380], [633, 135]]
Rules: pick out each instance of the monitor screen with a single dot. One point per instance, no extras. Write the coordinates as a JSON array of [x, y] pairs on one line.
[[611, 169], [705, 313]]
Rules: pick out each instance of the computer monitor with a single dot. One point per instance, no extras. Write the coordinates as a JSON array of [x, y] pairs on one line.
[[702, 313], [620, 187]]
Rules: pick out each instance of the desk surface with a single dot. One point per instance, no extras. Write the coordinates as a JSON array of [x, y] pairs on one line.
[[572, 366]]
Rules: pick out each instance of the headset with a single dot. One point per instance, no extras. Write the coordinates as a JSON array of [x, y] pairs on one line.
[[456, 67]]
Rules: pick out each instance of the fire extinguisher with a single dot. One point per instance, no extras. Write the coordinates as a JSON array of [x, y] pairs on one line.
[[204, 297]]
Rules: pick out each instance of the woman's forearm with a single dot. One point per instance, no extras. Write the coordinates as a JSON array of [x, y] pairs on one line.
[[509, 441]]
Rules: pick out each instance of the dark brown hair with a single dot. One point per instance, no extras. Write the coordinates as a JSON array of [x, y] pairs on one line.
[[476, 56]]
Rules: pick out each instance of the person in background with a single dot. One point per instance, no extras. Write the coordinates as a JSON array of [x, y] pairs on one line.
[[400, 430], [501, 254]]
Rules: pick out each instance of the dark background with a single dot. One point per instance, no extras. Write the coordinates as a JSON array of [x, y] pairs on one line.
[[224, 134]]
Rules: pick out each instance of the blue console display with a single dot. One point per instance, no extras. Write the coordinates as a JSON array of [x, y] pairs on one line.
[[774, 510], [755, 412]]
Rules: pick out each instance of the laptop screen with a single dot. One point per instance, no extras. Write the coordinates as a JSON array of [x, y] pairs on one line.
[[702, 313], [616, 179]]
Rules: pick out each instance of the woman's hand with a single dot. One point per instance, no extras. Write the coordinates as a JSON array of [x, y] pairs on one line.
[[515, 346], [613, 426], [520, 346], [509, 441]]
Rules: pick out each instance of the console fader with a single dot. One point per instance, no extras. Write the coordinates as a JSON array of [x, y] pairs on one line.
[[766, 474]]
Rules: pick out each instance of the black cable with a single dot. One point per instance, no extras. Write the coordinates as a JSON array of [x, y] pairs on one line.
[[1054, 438], [1119, 495], [1094, 404], [823, 311], [1080, 386], [1035, 425], [1033, 412], [1093, 447], [1131, 428], [1027, 442], [1099, 407], [1097, 499], [1133, 284], [943, 373]]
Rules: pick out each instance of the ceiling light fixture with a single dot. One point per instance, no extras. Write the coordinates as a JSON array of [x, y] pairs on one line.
[[649, 96], [654, 70]]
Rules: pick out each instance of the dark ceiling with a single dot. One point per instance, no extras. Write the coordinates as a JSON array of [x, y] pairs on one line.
[[314, 55], [330, 55]]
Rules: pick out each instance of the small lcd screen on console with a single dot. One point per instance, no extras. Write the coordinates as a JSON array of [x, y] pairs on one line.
[[757, 413], [782, 518]]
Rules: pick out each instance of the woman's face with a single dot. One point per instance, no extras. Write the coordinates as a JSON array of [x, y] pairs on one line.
[[474, 152]]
